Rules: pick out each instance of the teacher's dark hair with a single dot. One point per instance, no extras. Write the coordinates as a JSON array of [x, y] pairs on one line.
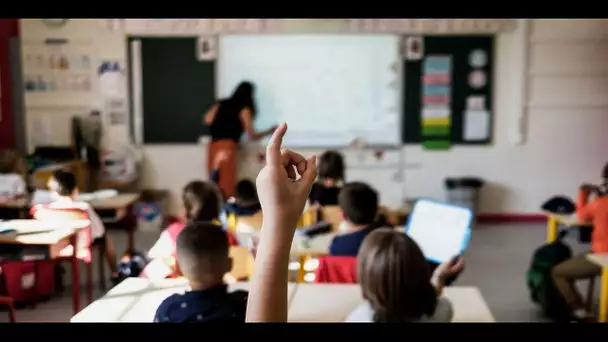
[[202, 201], [242, 97], [331, 166], [395, 278]]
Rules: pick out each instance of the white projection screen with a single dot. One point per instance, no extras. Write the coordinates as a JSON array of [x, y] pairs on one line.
[[330, 89]]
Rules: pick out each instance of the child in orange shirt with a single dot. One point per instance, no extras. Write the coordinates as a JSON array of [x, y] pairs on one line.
[[579, 267]]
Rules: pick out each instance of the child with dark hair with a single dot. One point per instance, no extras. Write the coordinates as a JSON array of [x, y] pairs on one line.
[[593, 210], [203, 258], [246, 202], [359, 204], [202, 203], [331, 176], [64, 190], [397, 283]]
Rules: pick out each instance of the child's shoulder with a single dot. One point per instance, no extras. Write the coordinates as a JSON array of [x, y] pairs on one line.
[[168, 305]]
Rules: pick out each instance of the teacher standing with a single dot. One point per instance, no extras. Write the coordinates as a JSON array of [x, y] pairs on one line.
[[228, 119]]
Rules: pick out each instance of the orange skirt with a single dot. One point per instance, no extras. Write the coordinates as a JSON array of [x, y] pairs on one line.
[[227, 172]]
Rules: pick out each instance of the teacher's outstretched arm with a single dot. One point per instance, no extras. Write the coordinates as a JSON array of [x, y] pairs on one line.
[[246, 116], [210, 115]]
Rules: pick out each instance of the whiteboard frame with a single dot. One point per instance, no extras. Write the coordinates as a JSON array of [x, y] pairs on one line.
[[467, 237], [399, 72]]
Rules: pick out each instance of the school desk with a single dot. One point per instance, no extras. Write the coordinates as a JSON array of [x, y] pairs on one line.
[[44, 240], [136, 300], [554, 220], [602, 260], [117, 205], [333, 303]]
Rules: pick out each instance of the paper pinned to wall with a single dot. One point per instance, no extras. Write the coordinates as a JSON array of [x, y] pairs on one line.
[[111, 79], [116, 111], [476, 125], [42, 133]]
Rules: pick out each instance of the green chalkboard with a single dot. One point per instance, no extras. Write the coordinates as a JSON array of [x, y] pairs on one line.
[[177, 90], [459, 48]]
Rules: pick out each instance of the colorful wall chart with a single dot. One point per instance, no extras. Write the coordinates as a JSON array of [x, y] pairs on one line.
[[436, 102], [461, 90]]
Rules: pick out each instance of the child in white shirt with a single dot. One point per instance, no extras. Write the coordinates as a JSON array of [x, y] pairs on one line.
[[12, 184], [64, 191]]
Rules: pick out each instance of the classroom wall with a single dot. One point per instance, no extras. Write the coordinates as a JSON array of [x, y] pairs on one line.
[[560, 74], [8, 29]]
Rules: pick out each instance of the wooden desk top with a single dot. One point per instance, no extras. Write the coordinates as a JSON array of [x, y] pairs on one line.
[[120, 201], [599, 259], [333, 303], [136, 300], [14, 203], [34, 232], [318, 245]]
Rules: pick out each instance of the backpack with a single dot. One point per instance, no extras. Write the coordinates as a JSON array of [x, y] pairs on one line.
[[130, 265], [540, 281]]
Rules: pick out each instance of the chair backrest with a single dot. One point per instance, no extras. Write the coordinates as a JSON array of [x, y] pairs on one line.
[[242, 262], [46, 213], [391, 216], [332, 214], [336, 270], [249, 224]]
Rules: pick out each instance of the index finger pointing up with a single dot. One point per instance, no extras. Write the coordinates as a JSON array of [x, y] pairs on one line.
[[273, 149]]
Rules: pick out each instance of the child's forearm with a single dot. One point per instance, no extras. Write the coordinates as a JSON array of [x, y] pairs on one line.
[[269, 304]]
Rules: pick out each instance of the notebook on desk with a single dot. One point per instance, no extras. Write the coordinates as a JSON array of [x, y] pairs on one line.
[[7, 232], [441, 230]]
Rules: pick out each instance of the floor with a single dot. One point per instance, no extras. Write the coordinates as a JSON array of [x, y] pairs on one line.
[[496, 262]]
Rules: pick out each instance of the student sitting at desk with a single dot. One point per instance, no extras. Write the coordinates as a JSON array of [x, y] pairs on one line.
[[394, 278], [202, 203], [64, 191], [331, 177], [359, 205], [578, 267], [12, 169], [246, 202], [203, 258]]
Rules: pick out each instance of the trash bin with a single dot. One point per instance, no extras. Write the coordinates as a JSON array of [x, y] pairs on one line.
[[464, 192]]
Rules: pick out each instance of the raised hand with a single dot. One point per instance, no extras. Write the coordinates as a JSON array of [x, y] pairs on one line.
[[285, 182]]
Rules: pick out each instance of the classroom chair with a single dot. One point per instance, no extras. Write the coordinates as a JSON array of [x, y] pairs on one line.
[[242, 263], [84, 243], [336, 270], [392, 217], [8, 302], [331, 214], [246, 226]]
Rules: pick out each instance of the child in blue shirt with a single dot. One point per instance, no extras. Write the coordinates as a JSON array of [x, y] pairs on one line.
[[203, 258]]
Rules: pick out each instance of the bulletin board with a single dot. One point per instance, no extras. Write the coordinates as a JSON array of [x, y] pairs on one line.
[[58, 73], [448, 90]]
